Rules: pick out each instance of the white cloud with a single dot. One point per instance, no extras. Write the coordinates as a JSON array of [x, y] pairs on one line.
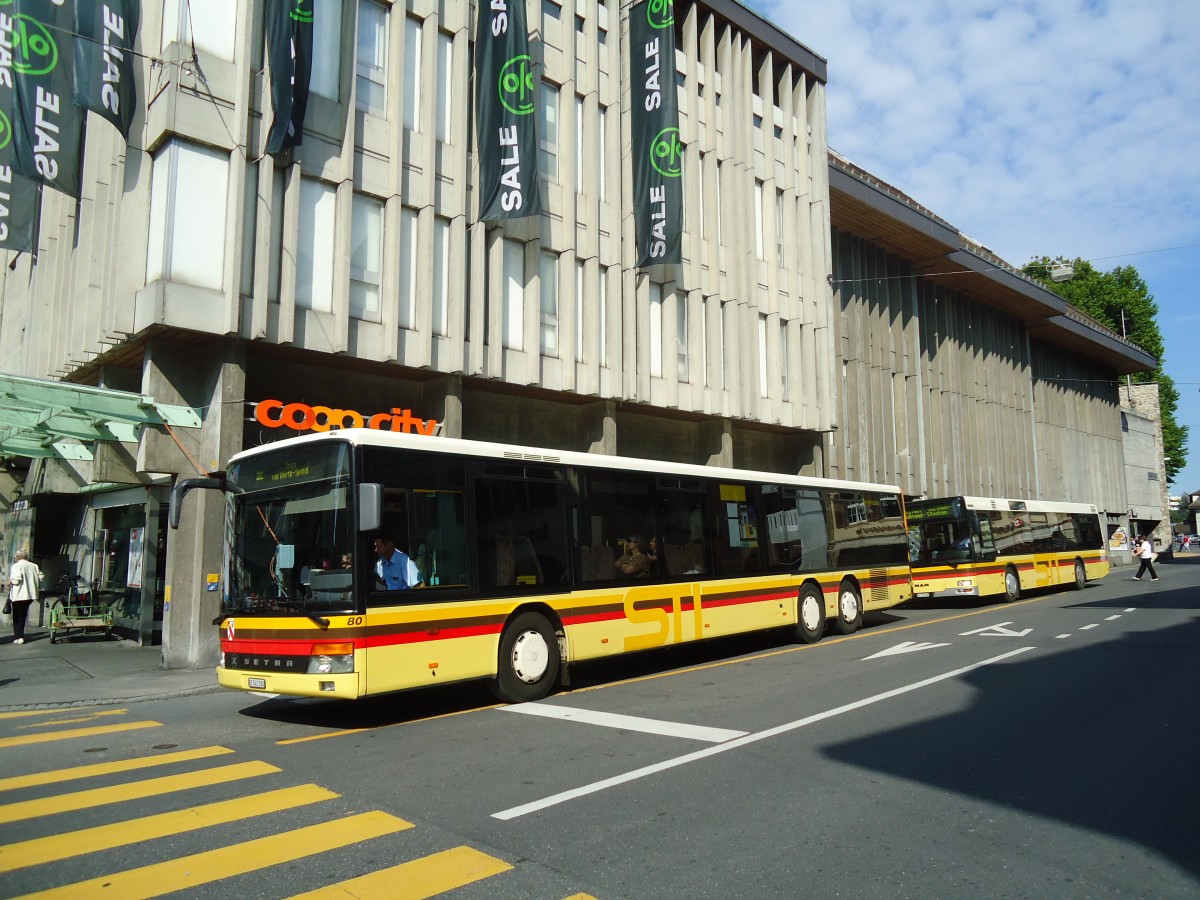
[[1037, 127]]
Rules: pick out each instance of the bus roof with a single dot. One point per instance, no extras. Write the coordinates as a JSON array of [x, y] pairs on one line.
[[371, 437], [1010, 505]]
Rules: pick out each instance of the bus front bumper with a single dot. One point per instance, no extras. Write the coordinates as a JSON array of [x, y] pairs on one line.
[[345, 686]]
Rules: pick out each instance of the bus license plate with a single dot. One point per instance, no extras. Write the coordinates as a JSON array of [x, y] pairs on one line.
[[260, 683]]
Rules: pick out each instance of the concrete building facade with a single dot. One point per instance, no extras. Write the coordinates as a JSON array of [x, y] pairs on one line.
[[353, 274]]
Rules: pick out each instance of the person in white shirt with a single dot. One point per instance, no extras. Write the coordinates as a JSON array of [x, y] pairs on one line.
[[24, 586], [1145, 550]]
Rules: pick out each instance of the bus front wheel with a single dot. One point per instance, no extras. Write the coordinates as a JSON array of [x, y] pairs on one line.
[[810, 619], [529, 660], [1012, 585], [849, 618], [1080, 575]]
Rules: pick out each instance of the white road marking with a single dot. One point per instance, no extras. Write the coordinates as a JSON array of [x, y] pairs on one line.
[[597, 786], [628, 723], [1111, 618], [997, 631], [1131, 609], [1089, 627], [903, 647], [1061, 636]]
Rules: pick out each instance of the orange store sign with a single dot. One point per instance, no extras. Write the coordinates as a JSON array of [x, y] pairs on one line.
[[301, 417]]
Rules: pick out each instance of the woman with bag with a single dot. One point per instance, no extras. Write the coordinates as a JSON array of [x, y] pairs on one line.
[[24, 586]]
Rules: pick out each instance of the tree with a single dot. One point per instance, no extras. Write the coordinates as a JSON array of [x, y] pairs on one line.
[[1120, 301]]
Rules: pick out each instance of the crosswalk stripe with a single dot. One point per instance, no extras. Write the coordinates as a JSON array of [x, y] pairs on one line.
[[426, 877], [137, 790], [15, 782], [226, 862], [56, 847], [25, 739]]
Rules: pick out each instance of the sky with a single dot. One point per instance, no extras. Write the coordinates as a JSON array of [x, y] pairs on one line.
[[1036, 127]]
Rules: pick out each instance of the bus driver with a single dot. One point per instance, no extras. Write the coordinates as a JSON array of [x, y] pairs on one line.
[[394, 570]]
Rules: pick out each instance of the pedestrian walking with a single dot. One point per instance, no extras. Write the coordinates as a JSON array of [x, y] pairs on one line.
[[1145, 551], [24, 586], [1187, 543]]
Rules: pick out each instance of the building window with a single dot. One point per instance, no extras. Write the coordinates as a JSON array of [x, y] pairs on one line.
[[579, 154], [314, 262], [784, 361], [762, 356], [189, 191], [445, 90], [601, 159], [681, 336], [580, 280], [656, 335], [407, 312], [441, 275], [209, 26], [513, 310], [758, 220], [551, 10], [366, 257], [779, 227], [548, 134], [371, 60], [326, 79], [603, 315], [413, 29], [548, 278]]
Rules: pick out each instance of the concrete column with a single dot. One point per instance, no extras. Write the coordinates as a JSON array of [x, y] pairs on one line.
[[443, 400], [214, 381], [599, 426]]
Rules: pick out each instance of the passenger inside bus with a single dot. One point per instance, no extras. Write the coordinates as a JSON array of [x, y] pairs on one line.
[[636, 562]]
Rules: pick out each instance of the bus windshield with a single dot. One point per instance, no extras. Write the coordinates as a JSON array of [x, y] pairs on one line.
[[290, 532], [940, 532]]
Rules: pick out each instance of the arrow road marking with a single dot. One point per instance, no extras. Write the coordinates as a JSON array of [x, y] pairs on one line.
[[997, 631], [904, 647]]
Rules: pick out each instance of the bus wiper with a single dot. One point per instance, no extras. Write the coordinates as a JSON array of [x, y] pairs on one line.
[[312, 616]]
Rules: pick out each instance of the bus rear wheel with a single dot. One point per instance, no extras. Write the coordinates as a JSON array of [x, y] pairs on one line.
[[529, 660], [1080, 575], [810, 616], [849, 618], [1012, 585]]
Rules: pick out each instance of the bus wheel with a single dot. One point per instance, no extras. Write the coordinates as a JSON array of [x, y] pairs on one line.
[[1080, 575], [810, 623], [529, 660], [849, 609], [1012, 585]]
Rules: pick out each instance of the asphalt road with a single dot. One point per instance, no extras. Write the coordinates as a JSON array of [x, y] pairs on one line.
[[1039, 749]]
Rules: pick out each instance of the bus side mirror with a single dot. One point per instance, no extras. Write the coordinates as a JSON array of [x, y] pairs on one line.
[[214, 482], [370, 506]]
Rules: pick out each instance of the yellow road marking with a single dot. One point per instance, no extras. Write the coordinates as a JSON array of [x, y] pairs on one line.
[[90, 717], [24, 739], [107, 768], [56, 847], [426, 877], [214, 865], [580, 897], [26, 713], [150, 787]]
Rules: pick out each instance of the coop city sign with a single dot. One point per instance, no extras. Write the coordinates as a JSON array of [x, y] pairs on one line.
[[301, 417]]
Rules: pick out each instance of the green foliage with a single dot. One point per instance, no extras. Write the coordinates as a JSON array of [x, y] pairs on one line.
[[1121, 301]]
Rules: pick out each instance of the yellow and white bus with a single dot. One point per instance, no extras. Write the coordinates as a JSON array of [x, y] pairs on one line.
[[983, 546], [515, 552]]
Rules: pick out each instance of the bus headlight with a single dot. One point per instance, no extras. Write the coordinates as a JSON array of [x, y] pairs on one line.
[[331, 659], [966, 583]]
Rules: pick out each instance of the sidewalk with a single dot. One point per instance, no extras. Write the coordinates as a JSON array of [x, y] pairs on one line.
[[88, 670]]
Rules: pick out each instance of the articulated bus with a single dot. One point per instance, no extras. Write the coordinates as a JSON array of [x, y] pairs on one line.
[[516, 553], [982, 547]]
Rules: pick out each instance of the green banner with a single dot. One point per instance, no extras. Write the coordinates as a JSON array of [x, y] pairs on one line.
[[104, 78], [657, 150], [506, 113], [289, 51], [18, 195], [47, 126]]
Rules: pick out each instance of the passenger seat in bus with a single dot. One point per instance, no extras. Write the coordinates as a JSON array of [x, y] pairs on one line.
[[516, 563]]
